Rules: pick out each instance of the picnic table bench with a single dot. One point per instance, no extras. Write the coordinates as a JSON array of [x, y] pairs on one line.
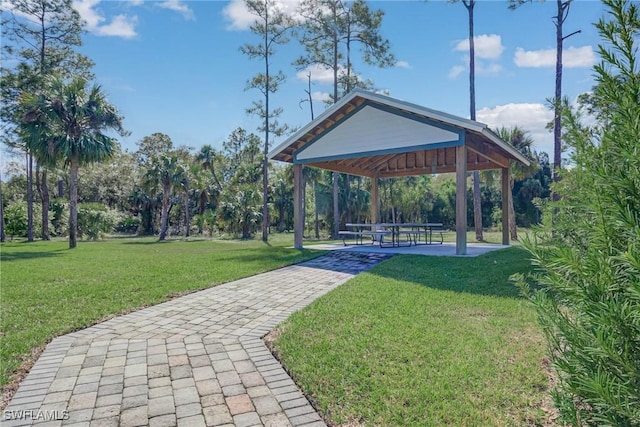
[[358, 235]]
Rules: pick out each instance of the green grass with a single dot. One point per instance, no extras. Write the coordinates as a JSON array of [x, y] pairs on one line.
[[48, 290], [422, 341]]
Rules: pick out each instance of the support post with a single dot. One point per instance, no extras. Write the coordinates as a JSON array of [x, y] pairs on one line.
[[298, 221], [506, 195], [375, 201], [461, 200]]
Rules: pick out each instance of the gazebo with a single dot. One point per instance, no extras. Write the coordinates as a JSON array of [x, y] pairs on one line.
[[377, 136]]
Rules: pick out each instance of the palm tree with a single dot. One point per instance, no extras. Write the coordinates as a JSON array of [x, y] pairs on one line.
[[521, 141], [68, 121], [283, 201], [208, 158], [182, 183], [165, 172]]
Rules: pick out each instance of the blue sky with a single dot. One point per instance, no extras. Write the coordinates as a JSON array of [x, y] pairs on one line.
[[175, 66]]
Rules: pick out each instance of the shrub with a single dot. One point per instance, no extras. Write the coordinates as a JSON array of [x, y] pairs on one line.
[[95, 219], [588, 270], [59, 214], [128, 225], [15, 219]]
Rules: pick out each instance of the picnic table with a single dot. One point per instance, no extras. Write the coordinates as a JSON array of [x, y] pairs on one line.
[[378, 231], [428, 229]]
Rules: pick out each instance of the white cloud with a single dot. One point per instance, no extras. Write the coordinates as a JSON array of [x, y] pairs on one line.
[[572, 57], [240, 18], [482, 69], [319, 73], [487, 69], [238, 15], [529, 117], [456, 70], [403, 64], [486, 46], [321, 96], [90, 16], [120, 26], [177, 6]]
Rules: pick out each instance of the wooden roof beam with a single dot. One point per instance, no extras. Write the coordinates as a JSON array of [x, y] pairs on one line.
[[379, 161], [342, 168], [493, 156]]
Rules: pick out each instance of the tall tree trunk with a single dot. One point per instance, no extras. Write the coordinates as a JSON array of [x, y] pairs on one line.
[[358, 220], [477, 207], [73, 204], [557, 123], [265, 164], [187, 219], [304, 201], [347, 197], [43, 190], [393, 204], [477, 197], [265, 192], [513, 231], [2, 236], [164, 219], [336, 208], [317, 219], [147, 219], [281, 219], [29, 197]]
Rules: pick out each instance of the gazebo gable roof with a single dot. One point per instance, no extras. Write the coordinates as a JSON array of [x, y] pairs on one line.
[[391, 135], [367, 130]]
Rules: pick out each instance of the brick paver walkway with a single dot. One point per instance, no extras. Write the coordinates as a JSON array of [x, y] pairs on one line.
[[198, 360]]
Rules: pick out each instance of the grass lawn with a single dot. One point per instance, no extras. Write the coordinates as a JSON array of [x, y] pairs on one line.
[[48, 290], [422, 341]]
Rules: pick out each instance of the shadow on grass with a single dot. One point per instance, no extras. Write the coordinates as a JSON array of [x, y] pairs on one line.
[[487, 274], [149, 243], [283, 254], [15, 256]]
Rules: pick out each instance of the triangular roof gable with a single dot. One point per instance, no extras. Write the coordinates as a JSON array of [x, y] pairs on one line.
[[314, 129], [367, 130]]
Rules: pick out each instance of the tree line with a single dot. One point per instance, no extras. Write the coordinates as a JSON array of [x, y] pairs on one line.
[[161, 189], [41, 104]]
